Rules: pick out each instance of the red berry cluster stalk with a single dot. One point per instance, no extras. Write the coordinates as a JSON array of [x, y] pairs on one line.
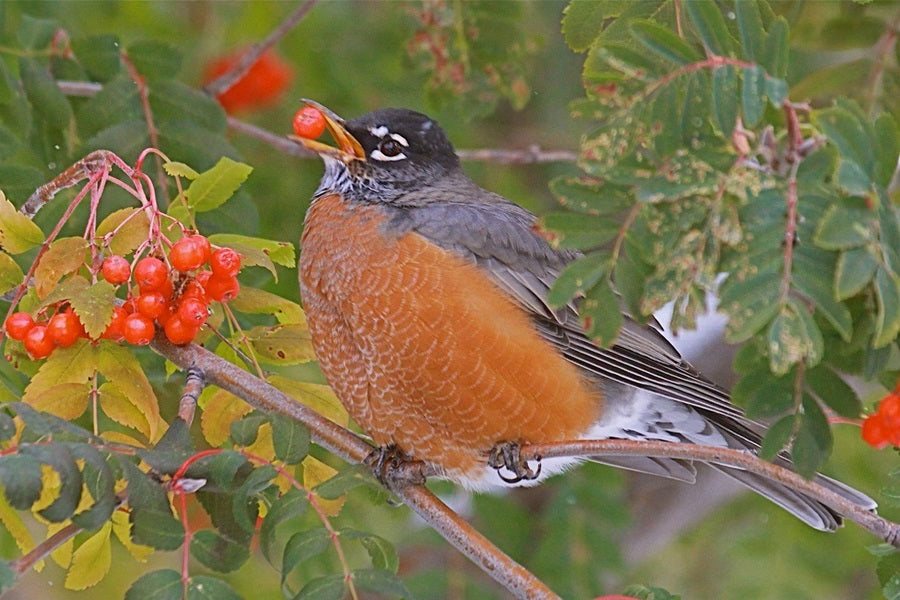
[[882, 429]]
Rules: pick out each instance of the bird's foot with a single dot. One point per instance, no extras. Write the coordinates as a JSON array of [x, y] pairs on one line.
[[508, 455], [394, 468]]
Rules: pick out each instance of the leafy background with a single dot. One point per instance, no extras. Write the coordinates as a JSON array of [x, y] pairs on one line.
[[356, 56]]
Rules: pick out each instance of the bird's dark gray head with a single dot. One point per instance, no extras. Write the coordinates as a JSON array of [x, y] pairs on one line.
[[384, 155]]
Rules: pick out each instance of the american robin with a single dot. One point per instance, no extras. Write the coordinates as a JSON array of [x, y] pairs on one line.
[[426, 300]]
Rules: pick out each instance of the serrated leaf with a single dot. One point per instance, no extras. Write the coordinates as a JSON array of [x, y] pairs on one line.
[[90, 561], [120, 367], [887, 316], [753, 100], [218, 552], [329, 587], [11, 273], [156, 529], [203, 587], [582, 22], [94, 307], [99, 55], [154, 59], [17, 232], [855, 269], [710, 24], [43, 94], [303, 545], [321, 398], [179, 169], [281, 253], [290, 438], [578, 277], [214, 187], [664, 42], [118, 406], [66, 401], [600, 314], [122, 530], [131, 227], [725, 93], [74, 364], [64, 256], [164, 584], [379, 581], [221, 410], [282, 344]]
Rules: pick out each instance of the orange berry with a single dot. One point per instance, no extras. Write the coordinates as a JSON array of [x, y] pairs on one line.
[[309, 122], [18, 324], [138, 329], [38, 342], [115, 269]]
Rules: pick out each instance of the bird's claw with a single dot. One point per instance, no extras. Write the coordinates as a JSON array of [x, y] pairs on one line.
[[508, 455], [394, 468]]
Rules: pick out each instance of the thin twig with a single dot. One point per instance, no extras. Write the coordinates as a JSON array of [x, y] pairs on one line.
[[879, 526], [194, 382], [222, 83]]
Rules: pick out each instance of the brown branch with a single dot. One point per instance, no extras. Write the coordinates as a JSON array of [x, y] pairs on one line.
[[871, 522], [44, 549], [221, 84], [883, 48], [194, 382], [530, 155]]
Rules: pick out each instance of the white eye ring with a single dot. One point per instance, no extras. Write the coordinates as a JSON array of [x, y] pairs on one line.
[[379, 155]]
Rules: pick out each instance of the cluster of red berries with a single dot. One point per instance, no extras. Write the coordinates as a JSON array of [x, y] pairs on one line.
[[175, 300], [262, 85], [882, 429]]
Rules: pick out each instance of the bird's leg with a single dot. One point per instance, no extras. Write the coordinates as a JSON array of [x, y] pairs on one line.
[[394, 468], [507, 455]]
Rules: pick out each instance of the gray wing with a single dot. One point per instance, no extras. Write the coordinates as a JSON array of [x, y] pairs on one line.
[[498, 236]]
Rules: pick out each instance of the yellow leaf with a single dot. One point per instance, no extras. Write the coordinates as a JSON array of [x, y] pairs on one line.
[[17, 232], [63, 554], [122, 528], [120, 409], [121, 368], [220, 410], [94, 306], [282, 344], [64, 256], [50, 492], [118, 437], [67, 401], [75, 364], [91, 560], [176, 169], [11, 273], [131, 227], [256, 301], [314, 473], [321, 398], [15, 526], [263, 446]]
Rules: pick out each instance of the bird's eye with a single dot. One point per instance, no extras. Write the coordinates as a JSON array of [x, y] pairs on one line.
[[390, 148]]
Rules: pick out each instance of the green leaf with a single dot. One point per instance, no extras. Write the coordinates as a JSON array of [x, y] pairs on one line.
[[381, 551], [180, 169], [245, 431], [118, 102], [664, 42], [583, 21], [710, 24], [852, 179], [94, 306], [329, 587], [214, 187], [845, 224], [578, 277], [8, 577], [775, 58], [290, 505], [725, 87], [204, 587], [157, 529], [777, 438], [303, 545], [643, 592], [34, 33], [127, 139], [750, 28], [64, 256], [44, 94], [172, 100], [100, 482], [99, 55], [811, 277], [793, 337], [218, 552], [776, 89], [256, 301], [60, 458], [17, 232], [345, 480], [601, 315], [21, 479], [143, 491], [764, 396], [154, 59], [887, 317], [888, 149], [257, 251], [11, 273], [750, 303], [855, 269], [753, 98], [379, 581], [591, 196], [846, 131], [570, 230], [164, 584], [834, 392], [813, 441], [290, 438], [7, 427], [131, 227]]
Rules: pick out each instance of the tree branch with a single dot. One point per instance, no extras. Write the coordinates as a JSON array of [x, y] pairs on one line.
[[884, 529]]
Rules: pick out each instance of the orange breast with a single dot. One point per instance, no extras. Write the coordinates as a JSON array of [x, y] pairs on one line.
[[424, 350]]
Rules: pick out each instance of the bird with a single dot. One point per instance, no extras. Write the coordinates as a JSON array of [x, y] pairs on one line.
[[426, 301]]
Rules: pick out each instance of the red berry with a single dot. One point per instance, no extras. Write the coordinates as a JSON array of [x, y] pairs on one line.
[[193, 311], [150, 274], [222, 288], [151, 304], [18, 324], [309, 122], [187, 255], [261, 85], [38, 342], [116, 328], [225, 262], [874, 432], [115, 269], [138, 329], [204, 244], [196, 287], [180, 332], [64, 328]]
